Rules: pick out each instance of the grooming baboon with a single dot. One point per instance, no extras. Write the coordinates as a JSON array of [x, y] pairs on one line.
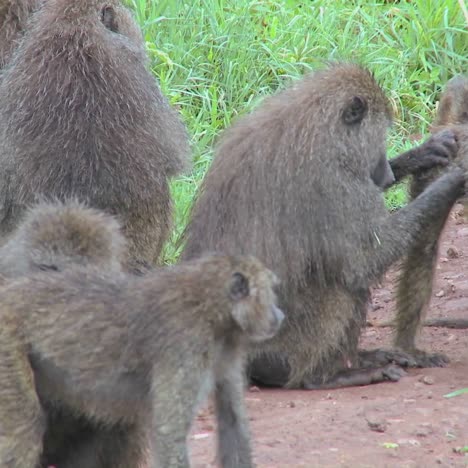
[[83, 117], [298, 183], [416, 279], [55, 236], [132, 353], [14, 15]]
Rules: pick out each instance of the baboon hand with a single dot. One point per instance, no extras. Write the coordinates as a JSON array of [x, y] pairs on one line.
[[438, 150], [424, 359], [392, 372]]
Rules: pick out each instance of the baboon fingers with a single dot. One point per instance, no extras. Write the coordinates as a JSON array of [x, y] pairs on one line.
[[390, 372], [381, 357]]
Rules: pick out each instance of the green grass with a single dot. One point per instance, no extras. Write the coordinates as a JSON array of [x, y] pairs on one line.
[[215, 59]]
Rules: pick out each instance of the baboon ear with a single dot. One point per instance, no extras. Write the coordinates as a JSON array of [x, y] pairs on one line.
[[355, 110], [109, 18], [239, 288]]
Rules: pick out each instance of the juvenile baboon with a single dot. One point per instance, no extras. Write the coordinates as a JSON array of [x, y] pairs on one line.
[[55, 236], [132, 353], [14, 15], [416, 279], [83, 117], [298, 183]]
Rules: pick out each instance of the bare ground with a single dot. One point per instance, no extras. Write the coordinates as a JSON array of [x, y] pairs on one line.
[[404, 424]]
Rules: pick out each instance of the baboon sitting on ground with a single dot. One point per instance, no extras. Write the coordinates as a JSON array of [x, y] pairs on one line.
[[83, 117], [298, 183], [132, 353]]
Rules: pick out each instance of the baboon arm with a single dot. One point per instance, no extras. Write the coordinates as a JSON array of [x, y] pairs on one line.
[[399, 231], [172, 414], [436, 151], [447, 323], [234, 442], [358, 377]]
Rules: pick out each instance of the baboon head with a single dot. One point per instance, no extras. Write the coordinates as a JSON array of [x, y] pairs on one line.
[[251, 291], [239, 286], [453, 105], [112, 16], [354, 115]]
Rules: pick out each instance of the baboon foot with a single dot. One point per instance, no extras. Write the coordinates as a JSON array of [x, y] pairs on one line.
[[358, 377], [268, 371], [381, 357], [425, 359]]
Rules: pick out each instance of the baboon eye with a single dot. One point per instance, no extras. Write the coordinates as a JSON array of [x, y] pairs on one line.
[[239, 287], [44, 267], [108, 18], [355, 111]]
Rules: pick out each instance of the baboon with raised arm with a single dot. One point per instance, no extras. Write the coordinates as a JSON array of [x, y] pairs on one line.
[[133, 353], [416, 279], [14, 16], [298, 183], [83, 117]]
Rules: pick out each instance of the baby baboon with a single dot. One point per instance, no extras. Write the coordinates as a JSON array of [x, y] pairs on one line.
[[416, 279], [298, 183], [55, 236], [14, 15], [132, 353], [83, 117]]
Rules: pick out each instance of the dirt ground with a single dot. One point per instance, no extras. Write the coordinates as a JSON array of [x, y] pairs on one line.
[[405, 424]]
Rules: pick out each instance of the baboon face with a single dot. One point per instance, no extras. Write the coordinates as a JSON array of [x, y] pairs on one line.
[[254, 301], [453, 106], [361, 127], [382, 175]]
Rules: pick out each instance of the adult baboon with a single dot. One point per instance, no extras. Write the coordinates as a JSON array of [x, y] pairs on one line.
[[14, 15], [83, 117], [55, 236], [416, 280], [132, 353], [298, 183]]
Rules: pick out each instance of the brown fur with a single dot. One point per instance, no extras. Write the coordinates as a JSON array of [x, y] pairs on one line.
[[295, 184], [55, 236], [14, 16], [416, 279], [83, 117], [132, 353]]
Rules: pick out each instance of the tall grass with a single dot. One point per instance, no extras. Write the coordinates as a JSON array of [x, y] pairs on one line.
[[215, 59]]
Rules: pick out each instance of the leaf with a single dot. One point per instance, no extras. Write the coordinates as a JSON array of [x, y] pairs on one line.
[[390, 445], [456, 393]]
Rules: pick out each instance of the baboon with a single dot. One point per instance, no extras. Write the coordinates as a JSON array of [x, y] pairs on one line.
[[57, 235], [298, 183], [416, 278], [133, 353], [14, 15], [83, 117]]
